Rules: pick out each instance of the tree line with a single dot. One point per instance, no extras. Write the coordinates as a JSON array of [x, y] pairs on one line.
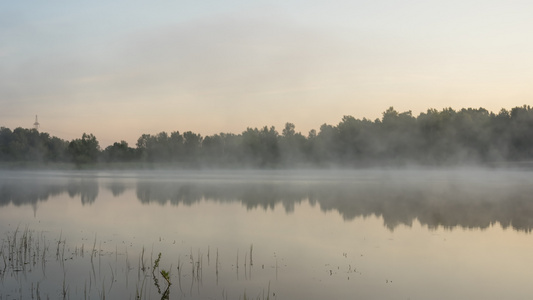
[[446, 137]]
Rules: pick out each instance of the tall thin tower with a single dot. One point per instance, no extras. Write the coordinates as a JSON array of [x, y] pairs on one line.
[[36, 124]]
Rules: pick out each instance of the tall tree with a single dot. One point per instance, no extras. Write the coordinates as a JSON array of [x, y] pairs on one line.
[[85, 150]]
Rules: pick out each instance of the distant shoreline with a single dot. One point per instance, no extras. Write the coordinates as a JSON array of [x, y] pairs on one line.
[[447, 138]]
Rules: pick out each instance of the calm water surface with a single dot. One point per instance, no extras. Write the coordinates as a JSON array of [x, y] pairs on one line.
[[374, 234]]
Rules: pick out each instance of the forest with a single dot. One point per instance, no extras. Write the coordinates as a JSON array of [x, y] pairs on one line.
[[434, 138]]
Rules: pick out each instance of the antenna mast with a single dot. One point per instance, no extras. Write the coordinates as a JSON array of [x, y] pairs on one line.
[[36, 124]]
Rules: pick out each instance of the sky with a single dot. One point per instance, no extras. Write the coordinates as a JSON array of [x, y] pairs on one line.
[[119, 69]]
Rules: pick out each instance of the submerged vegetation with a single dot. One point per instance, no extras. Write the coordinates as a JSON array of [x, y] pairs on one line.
[[446, 137], [34, 266]]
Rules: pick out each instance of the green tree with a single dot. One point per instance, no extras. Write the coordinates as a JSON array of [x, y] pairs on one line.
[[119, 152], [56, 148], [521, 133], [85, 150], [261, 147], [398, 139], [6, 136], [326, 146], [192, 147], [175, 145], [436, 140], [292, 146]]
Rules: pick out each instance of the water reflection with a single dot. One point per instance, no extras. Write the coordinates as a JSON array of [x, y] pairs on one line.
[[117, 188], [435, 202], [447, 205], [34, 189], [86, 189], [29, 192]]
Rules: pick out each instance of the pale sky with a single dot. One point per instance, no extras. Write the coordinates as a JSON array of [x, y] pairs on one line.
[[119, 69]]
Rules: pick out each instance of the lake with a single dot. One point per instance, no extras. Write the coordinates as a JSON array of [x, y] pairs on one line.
[[273, 234]]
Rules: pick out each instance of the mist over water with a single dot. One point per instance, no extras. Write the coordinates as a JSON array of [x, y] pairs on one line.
[[469, 198], [338, 233]]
